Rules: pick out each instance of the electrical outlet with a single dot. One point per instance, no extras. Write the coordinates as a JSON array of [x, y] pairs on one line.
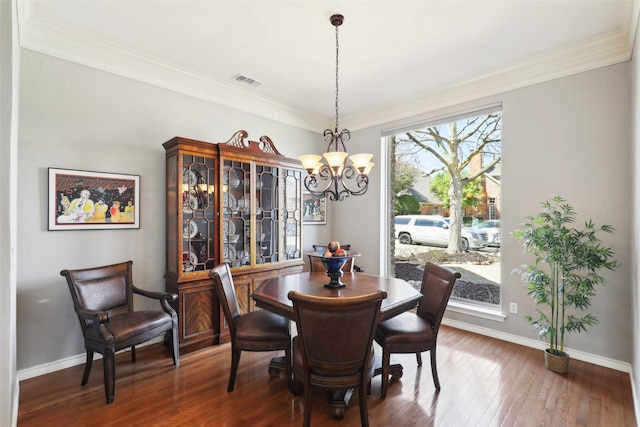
[[513, 307]]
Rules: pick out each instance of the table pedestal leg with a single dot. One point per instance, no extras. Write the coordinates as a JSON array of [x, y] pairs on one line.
[[276, 366], [395, 368], [338, 400]]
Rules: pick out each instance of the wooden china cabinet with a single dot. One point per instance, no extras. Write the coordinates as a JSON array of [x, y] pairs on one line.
[[237, 202]]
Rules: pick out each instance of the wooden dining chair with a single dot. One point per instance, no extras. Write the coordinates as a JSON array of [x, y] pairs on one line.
[[334, 346], [103, 300], [258, 330], [416, 332]]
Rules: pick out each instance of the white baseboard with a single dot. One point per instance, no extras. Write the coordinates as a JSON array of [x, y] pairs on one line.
[[636, 403], [79, 359], [16, 405], [527, 342]]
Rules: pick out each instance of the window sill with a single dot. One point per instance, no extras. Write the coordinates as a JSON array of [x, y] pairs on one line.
[[489, 313]]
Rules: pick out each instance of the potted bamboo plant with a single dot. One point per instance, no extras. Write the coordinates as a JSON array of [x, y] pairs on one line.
[[564, 274]]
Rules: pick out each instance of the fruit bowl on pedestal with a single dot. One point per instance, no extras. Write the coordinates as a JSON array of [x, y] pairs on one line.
[[333, 265]]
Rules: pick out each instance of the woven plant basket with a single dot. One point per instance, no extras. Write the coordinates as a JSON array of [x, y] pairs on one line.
[[556, 363]]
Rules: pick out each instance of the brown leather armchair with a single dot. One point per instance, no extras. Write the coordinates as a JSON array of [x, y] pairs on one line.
[[416, 332], [103, 300], [258, 330], [334, 346]]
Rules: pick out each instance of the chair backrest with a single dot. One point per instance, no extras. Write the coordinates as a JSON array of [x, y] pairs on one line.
[[223, 282], [108, 288], [315, 263], [336, 333], [437, 285]]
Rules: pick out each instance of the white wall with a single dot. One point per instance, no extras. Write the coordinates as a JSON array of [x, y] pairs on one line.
[[568, 137], [9, 79], [80, 118], [635, 266]]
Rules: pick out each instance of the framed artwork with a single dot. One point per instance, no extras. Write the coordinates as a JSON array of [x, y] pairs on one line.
[[82, 200], [314, 209]]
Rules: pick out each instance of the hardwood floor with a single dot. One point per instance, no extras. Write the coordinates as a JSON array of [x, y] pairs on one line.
[[485, 382]]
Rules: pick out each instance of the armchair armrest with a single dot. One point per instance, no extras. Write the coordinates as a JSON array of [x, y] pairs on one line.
[[168, 296], [165, 299], [94, 316]]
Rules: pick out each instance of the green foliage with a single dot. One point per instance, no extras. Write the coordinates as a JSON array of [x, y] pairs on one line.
[[406, 204], [404, 177], [564, 273], [440, 188]]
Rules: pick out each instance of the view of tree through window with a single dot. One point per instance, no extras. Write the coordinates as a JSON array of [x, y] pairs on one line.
[[446, 176]]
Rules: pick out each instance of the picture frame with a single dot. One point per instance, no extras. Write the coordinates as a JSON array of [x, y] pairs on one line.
[[314, 209], [85, 200]]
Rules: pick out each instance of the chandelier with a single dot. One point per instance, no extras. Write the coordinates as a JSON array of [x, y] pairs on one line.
[[339, 175]]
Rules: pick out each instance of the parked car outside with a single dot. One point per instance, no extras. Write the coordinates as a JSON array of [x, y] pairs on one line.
[[492, 227], [434, 230]]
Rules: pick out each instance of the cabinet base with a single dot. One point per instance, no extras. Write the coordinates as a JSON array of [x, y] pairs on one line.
[[197, 345]]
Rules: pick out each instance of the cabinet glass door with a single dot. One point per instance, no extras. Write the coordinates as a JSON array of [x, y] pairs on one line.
[[291, 215], [261, 221], [236, 213], [198, 213], [267, 214]]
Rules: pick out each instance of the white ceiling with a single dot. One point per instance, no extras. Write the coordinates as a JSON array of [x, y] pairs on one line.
[[397, 58]]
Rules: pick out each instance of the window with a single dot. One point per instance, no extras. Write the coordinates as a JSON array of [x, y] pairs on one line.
[[481, 151]]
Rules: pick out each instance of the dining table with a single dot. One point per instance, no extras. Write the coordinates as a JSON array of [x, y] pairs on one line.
[[272, 295]]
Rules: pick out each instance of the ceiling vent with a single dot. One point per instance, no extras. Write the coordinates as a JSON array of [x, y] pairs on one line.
[[246, 80]]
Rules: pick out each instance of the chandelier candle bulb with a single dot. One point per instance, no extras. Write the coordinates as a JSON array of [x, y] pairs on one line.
[[361, 161], [335, 159], [368, 168], [311, 163]]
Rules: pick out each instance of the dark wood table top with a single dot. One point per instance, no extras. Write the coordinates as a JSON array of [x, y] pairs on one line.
[[272, 293]]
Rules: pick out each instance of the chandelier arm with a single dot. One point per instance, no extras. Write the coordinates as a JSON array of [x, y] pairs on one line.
[[311, 182], [351, 174]]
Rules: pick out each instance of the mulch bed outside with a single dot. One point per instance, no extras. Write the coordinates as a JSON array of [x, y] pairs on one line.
[[470, 286]]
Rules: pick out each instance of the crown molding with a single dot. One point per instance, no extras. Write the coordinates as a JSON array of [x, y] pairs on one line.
[[46, 37], [599, 52], [55, 40]]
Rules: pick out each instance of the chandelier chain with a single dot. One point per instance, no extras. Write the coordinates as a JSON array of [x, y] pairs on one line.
[[337, 88]]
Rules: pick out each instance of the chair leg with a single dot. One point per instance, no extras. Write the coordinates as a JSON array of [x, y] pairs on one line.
[[306, 422], [419, 359], [133, 353], [434, 369], [175, 347], [364, 414], [288, 368], [235, 361], [298, 386], [87, 367], [108, 361], [386, 357]]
